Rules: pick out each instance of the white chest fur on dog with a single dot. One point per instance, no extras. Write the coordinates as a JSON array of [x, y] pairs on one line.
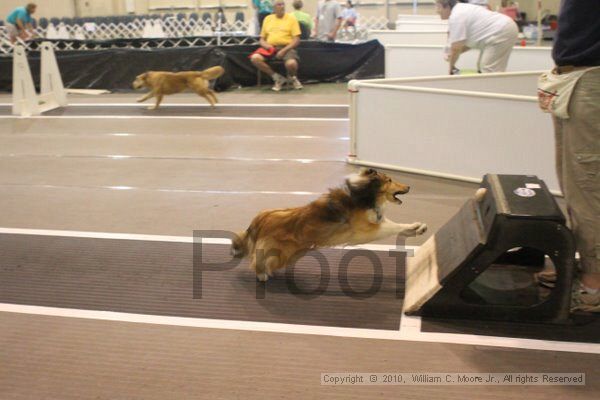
[[375, 215]]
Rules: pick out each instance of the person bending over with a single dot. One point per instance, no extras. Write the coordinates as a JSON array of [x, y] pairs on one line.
[[476, 27], [18, 22], [483, 3], [279, 37]]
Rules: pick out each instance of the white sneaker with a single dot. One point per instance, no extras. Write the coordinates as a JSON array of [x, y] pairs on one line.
[[279, 82], [295, 82]]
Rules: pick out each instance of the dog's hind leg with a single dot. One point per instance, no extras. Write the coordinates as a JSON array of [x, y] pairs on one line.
[[210, 99], [207, 95], [212, 94], [145, 97], [265, 261], [201, 87], [262, 267]]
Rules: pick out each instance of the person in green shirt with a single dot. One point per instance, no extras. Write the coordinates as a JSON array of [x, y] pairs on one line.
[[302, 17]]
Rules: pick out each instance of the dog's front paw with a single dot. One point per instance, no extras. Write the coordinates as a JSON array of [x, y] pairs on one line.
[[417, 228], [421, 229], [140, 99]]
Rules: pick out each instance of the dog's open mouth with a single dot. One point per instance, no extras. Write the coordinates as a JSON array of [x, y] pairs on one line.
[[397, 197]]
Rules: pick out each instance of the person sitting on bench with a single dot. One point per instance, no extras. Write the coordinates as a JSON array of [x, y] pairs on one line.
[[279, 37]]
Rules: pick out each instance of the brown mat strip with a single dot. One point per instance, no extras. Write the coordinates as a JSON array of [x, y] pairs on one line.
[[200, 111], [585, 330], [157, 278]]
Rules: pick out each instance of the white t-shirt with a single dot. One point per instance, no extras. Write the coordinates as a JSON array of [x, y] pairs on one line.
[[475, 25]]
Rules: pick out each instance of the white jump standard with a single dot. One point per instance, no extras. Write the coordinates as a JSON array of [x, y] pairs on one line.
[[52, 95]]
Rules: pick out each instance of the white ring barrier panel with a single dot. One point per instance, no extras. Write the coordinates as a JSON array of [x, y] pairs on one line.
[[432, 25], [405, 61], [458, 127], [417, 17], [52, 92], [389, 37]]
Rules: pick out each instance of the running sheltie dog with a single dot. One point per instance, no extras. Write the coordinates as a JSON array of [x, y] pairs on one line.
[[161, 83], [348, 215]]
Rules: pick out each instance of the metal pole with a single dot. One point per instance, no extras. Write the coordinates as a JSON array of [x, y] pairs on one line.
[[415, 2]]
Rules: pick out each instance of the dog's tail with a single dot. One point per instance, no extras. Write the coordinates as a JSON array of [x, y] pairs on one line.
[[241, 244], [212, 73]]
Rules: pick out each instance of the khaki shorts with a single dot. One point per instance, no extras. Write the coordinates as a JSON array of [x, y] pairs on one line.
[[12, 31], [292, 54]]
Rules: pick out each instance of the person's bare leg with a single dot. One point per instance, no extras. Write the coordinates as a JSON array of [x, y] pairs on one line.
[[292, 67], [259, 62]]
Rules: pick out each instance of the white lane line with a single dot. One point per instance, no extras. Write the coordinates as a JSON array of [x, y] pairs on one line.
[[104, 235], [416, 335], [174, 117], [128, 156], [450, 338], [409, 324], [180, 239], [209, 191], [220, 105], [199, 135], [133, 188]]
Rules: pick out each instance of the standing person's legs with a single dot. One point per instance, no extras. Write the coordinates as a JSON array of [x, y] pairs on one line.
[[494, 57], [581, 168], [558, 148], [579, 161]]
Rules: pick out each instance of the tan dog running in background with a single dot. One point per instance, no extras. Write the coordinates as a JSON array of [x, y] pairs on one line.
[[161, 83], [349, 215]]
